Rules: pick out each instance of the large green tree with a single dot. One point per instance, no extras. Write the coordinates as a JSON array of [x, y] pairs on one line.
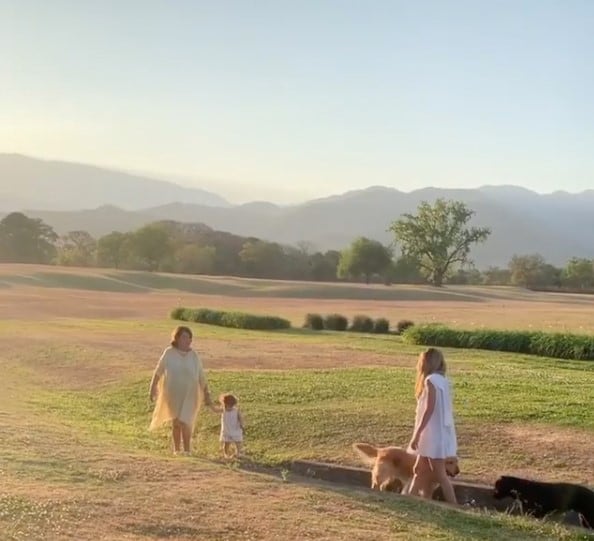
[[364, 258], [438, 237], [77, 248], [323, 267], [262, 259], [533, 272], [110, 249], [26, 240], [494, 276], [194, 259], [579, 273], [151, 246]]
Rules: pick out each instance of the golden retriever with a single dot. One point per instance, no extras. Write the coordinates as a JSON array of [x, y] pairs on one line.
[[394, 463]]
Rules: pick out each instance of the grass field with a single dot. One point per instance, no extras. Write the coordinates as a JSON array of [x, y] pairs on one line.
[[76, 458]]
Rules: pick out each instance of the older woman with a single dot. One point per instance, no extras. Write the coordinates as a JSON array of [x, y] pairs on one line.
[[179, 386]]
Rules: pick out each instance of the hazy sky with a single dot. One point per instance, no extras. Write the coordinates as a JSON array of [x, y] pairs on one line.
[[286, 100]]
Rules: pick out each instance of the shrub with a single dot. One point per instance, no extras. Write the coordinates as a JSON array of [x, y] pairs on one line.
[[335, 322], [362, 324], [178, 313], [314, 322], [381, 326], [557, 345], [241, 320], [206, 316], [402, 325], [237, 320]]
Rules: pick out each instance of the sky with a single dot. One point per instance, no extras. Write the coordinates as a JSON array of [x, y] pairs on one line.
[[285, 100]]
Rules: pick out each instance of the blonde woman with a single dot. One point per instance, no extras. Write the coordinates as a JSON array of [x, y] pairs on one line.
[[179, 386], [434, 437]]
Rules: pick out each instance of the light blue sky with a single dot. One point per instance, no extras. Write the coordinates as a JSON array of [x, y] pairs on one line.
[[286, 100]]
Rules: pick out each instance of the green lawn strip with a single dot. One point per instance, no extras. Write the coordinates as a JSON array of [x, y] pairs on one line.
[[316, 413]]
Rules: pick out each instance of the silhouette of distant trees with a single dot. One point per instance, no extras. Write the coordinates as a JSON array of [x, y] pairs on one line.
[[168, 246]]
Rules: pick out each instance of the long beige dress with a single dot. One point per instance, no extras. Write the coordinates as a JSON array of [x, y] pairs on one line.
[[182, 382]]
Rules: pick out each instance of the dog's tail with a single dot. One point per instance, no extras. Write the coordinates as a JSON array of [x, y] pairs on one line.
[[366, 452]]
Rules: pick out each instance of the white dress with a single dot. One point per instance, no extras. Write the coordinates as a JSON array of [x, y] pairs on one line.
[[230, 426], [181, 385], [438, 439]]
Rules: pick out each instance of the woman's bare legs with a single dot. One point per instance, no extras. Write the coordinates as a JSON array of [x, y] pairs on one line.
[[176, 435], [186, 433], [441, 476], [422, 479]]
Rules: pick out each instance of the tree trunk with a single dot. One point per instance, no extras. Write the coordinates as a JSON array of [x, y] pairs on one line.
[[438, 275]]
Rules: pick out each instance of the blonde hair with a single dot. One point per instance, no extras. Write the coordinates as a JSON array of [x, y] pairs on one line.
[[431, 361]]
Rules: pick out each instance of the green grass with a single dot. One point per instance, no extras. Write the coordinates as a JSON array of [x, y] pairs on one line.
[[415, 521], [319, 413]]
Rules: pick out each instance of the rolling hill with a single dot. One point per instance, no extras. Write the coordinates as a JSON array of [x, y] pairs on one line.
[[53, 185], [558, 225]]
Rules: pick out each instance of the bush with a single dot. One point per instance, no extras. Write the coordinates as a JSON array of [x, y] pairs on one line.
[[362, 324], [557, 345], [206, 316], [381, 326], [402, 325], [335, 322], [236, 320], [178, 313], [314, 322]]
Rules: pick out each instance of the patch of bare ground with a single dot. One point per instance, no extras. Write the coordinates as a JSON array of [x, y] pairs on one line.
[[85, 491], [533, 451], [95, 358], [37, 303]]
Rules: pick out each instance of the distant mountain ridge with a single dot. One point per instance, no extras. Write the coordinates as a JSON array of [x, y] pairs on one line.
[[558, 225], [53, 185]]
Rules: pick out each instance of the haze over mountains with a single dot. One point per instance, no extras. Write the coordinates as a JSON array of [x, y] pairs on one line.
[[75, 196]]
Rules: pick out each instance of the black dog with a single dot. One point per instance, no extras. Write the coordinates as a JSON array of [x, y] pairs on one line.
[[539, 499]]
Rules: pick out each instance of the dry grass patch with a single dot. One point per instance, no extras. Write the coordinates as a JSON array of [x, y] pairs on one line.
[[152, 296]]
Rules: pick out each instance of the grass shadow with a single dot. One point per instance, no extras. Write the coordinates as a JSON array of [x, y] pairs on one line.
[[200, 286], [84, 282]]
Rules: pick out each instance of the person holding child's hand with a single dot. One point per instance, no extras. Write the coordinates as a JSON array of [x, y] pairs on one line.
[[178, 386]]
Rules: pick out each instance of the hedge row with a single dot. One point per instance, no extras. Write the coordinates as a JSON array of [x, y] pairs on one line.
[[556, 345], [236, 320], [360, 323]]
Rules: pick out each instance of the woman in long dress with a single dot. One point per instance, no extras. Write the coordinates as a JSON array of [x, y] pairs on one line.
[[434, 437], [179, 386]]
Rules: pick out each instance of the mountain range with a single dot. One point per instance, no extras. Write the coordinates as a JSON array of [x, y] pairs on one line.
[[75, 196]]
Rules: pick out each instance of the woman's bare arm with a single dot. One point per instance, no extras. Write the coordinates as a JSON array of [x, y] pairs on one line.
[[153, 386], [428, 410]]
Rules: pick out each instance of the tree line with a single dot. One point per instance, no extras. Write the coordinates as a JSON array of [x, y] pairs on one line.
[[432, 246]]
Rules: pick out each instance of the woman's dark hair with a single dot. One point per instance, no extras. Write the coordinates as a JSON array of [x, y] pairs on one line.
[[177, 332]]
